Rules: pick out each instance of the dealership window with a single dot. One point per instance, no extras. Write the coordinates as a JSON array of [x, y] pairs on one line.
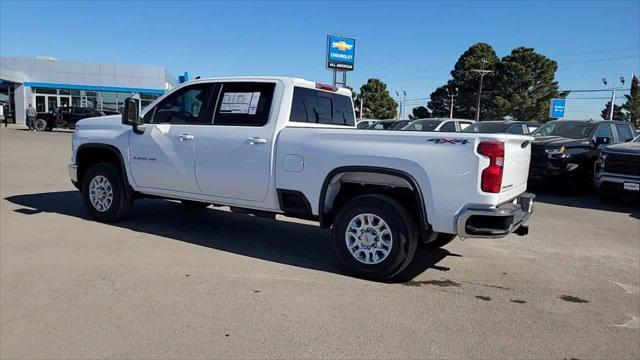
[[319, 107]]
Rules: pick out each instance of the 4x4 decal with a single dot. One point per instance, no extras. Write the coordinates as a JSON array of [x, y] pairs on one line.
[[449, 141]]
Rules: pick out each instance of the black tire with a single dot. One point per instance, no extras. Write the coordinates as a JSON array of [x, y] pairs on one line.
[[606, 197], [194, 204], [403, 231], [441, 240], [122, 199], [40, 125]]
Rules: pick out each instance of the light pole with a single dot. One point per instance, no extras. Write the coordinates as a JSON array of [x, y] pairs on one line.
[[613, 95], [401, 100], [482, 73], [451, 102]]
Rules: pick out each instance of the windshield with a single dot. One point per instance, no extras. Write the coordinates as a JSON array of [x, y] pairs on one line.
[[574, 130], [486, 128], [423, 125], [637, 139]]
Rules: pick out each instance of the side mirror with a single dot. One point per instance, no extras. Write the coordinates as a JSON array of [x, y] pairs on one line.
[[131, 113], [602, 140]]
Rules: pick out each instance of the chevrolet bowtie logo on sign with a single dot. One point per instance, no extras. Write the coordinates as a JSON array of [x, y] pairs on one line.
[[341, 45], [340, 52]]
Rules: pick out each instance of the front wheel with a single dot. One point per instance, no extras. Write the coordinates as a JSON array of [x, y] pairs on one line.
[[104, 194], [40, 125], [375, 237], [441, 240]]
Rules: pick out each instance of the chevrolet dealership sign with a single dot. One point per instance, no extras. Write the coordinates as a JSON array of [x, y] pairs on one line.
[[340, 52]]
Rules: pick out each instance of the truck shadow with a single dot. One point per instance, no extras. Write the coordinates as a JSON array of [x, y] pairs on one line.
[[587, 201], [295, 244]]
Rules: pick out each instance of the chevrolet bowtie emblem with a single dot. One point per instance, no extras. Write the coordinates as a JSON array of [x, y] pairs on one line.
[[341, 45]]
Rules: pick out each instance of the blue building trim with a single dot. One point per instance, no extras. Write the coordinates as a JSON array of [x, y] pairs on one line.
[[94, 88]]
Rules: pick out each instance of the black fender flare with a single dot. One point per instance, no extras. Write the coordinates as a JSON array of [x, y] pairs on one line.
[[111, 149], [378, 170]]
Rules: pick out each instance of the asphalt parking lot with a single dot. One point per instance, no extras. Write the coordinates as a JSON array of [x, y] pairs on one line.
[[175, 283]]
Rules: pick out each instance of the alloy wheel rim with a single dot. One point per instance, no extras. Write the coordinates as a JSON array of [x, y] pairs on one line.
[[368, 238], [100, 193], [40, 125]]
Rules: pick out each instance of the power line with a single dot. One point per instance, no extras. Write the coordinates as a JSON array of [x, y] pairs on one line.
[[601, 60], [598, 52]]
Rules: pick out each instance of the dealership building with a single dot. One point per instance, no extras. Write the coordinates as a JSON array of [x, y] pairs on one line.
[[48, 83]]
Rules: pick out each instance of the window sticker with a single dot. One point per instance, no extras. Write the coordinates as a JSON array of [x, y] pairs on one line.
[[240, 103]]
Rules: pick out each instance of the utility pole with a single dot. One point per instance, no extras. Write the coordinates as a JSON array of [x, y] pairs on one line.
[[401, 101], [361, 107], [452, 96], [613, 95], [482, 73]]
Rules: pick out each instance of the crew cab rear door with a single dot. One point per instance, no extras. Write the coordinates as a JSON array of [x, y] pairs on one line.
[[163, 156], [233, 159]]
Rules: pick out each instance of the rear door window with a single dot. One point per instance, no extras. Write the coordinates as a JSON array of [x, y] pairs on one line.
[[624, 132], [516, 129], [449, 126], [244, 104], [464, 124], [603, 130], [321, 107]]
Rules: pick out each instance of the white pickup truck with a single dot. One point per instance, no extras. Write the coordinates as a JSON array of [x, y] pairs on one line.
[[275, 145]]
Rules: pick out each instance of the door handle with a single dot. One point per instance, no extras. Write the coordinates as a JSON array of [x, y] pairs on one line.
[[257, 140], [186, 137]]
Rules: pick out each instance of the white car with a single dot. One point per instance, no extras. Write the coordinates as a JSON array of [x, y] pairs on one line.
[[275, 145], [438, 124]]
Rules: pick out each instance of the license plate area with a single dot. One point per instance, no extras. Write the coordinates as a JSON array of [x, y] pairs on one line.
[[629, 186]]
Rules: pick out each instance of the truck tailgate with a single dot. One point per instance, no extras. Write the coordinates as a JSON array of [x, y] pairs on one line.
[[516, 165]]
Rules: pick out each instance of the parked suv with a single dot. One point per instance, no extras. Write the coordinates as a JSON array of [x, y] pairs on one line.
[[64, 117], [617, 171], [565, 151]]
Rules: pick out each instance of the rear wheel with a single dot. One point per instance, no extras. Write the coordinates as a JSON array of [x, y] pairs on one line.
[[375, 237], [40, 125], [104, 193]]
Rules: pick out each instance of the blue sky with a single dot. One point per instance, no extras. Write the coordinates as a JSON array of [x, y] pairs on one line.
[[411, 46]]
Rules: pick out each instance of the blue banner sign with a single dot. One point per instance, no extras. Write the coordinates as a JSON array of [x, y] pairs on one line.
[[341, 52], [556, 110]]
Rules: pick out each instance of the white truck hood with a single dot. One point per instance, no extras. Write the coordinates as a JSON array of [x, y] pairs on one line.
[[102, 122]]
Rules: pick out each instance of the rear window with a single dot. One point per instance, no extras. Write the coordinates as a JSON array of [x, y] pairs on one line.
[[319, 107]]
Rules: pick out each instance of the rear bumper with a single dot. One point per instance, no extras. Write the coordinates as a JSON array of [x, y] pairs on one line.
[[614, 184], [483, 222]]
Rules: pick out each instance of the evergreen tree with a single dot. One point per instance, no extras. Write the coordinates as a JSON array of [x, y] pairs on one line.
[[617, 112], [419, 112], [632, 105], [378, 103]]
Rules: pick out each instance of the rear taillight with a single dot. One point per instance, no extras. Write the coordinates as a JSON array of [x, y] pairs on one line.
[[492, 175]]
